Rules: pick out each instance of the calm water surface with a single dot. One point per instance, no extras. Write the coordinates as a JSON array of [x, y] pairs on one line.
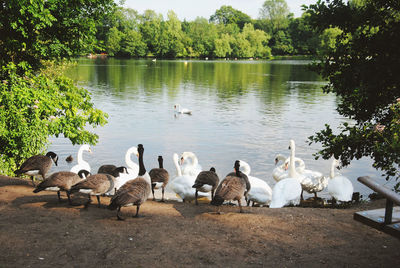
[[246, 110]]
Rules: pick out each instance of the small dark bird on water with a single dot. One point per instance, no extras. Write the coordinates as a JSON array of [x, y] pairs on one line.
[[133, 192], [37, 165], [69, 159], [159, 178], [233, 187], [206, 181]]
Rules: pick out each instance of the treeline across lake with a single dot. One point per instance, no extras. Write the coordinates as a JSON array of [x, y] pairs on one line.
[[228, 33]]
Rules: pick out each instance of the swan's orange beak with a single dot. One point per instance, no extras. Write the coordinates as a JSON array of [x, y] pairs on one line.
[[286, 166]]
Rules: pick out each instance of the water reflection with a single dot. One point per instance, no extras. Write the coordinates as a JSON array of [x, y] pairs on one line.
[[241, 110]]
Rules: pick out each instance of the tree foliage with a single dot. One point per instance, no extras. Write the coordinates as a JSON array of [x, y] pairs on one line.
[[361, 66], [36, 101]]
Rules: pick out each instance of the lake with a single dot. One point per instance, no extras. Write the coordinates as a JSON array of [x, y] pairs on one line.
[[246, 110]]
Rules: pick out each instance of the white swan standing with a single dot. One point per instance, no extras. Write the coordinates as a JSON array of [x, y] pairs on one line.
[[339, 187], [260, 192], [287, 191], [179, 110], [190, 164], [182, 184], [82, 164]]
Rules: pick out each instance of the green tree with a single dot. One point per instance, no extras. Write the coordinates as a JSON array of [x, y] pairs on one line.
[[223, 46], [276, 12], [150, 28], [228, 15], [171, 39], [362, 71], [34, 30], [203, 36], [113, 41], [133, 45], [36, 101]]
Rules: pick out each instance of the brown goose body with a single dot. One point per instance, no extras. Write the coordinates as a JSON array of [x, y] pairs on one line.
[[133, 192], [97, 184], [204, 181], [106, 169], [159, 176], [60, 181], [233, 187], [37, 165]]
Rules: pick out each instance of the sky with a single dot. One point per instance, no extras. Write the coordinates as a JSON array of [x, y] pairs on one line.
[[190, 9]]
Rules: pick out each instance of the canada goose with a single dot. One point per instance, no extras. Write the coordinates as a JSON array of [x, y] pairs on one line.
[[133, 192], [106, 169], [97, 185], [159, 178], [112, 170], [82, 164], [37, 165], [206, 181], [61, 181], [233, 187]]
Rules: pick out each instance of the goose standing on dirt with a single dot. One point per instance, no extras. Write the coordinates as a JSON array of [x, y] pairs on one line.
[[97, 184], [182, 184], [339, 187], [134, 192], [179, 110], [190, 164], [260, 192], [287, 191], [233, 187], [37, 165], [82, 164], [62, 181], [206, 181], [159, 178]]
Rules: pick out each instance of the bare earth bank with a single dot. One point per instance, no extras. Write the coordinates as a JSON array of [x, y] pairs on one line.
[[38, 231]]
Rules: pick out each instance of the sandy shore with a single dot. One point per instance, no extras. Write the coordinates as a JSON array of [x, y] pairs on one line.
[[38, 231]]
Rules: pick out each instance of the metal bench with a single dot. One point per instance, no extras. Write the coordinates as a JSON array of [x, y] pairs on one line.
[[387, 219]]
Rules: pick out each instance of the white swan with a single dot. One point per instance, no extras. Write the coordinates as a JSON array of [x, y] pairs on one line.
[[190, 164], [281, 172], [133, 168], [179, 110], [260, 192], [182, 184], [287, 191], [82, 164], [339, 187], [313, 181]]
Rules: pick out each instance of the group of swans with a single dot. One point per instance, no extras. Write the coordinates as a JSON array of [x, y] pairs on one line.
[[292, 181]]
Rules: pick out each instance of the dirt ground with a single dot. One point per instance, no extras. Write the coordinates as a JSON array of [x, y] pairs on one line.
[[38, 231]]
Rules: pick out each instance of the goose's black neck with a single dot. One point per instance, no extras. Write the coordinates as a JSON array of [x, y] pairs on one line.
[[142, 169], [237, 166], [160, 162]]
